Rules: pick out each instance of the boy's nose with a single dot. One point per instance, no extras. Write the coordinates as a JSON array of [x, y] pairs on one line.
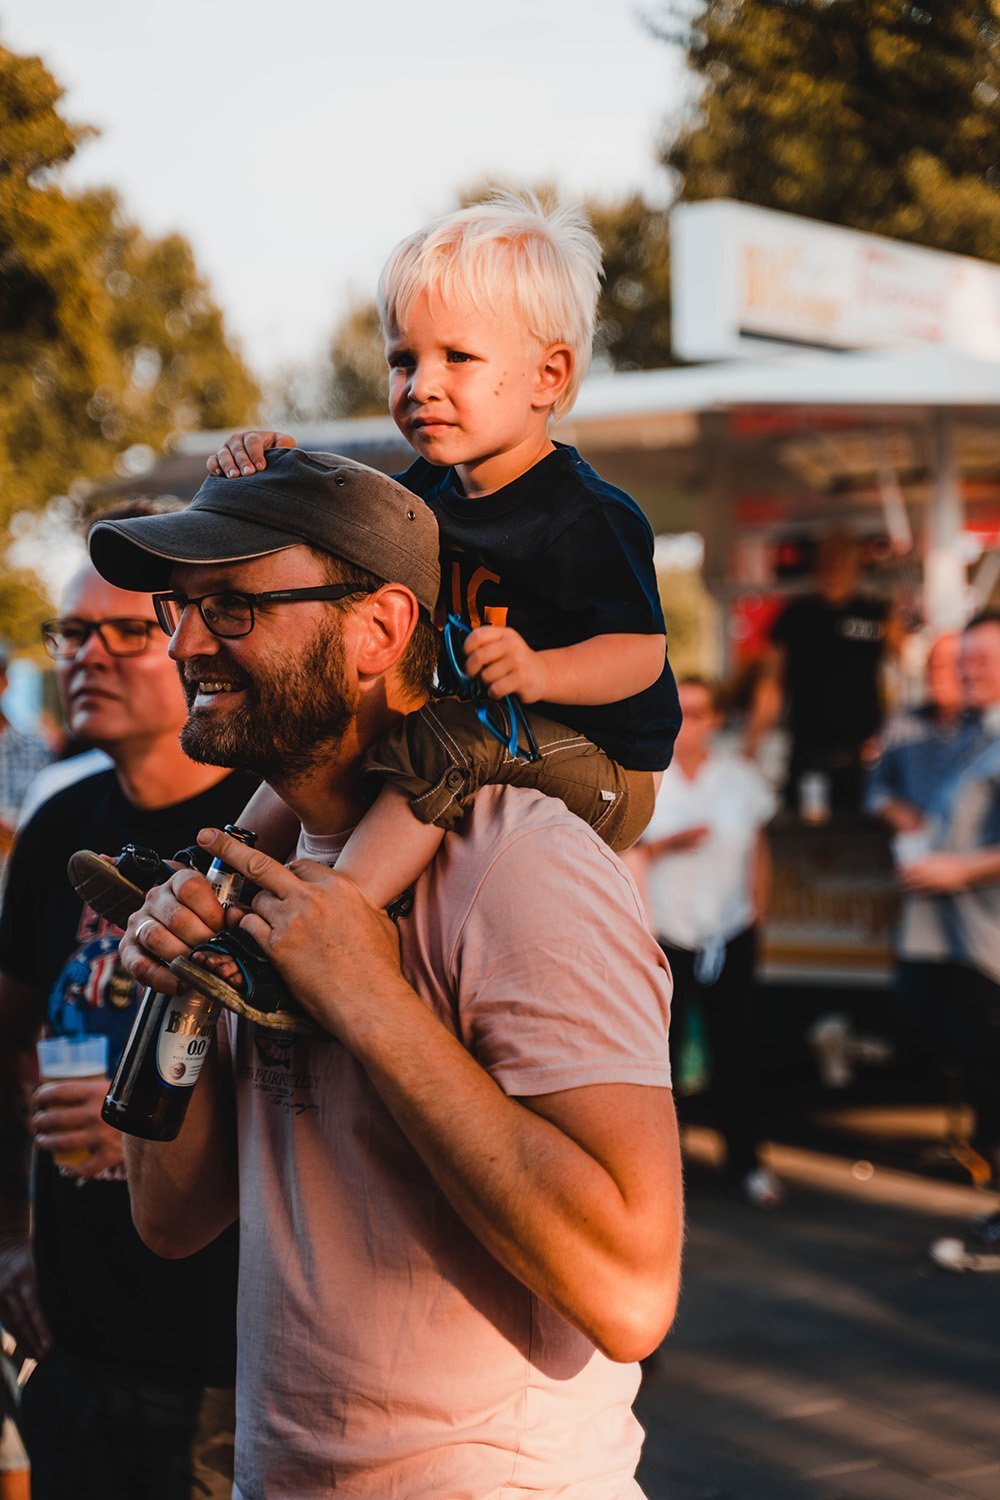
[[423, 384]]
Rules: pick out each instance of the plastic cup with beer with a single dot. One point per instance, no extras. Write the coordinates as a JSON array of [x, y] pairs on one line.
[[64, 1057]]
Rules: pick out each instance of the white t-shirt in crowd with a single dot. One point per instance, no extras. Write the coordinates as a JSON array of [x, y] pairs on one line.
[[703, 895], [382, 1350]]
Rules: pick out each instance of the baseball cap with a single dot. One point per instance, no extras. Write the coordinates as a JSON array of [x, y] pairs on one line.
[[319, 499]]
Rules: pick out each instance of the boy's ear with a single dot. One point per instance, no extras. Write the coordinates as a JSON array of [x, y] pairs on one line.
[[554, 371]]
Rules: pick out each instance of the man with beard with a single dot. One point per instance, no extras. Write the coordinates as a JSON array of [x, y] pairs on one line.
[[133, 1394], [460, 1207]]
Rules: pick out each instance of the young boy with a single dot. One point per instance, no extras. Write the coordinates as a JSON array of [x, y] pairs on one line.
[[488, 315]]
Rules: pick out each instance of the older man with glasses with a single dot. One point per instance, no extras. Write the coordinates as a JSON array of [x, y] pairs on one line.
[[133, 1392]]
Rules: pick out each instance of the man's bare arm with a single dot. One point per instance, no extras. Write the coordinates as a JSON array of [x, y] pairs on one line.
[[946, 870], [185, 1192], [768, 699]]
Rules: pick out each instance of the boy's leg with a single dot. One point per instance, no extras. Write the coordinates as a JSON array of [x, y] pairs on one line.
[[440, 756]]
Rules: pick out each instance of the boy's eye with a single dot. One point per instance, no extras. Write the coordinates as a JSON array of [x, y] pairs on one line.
[[400, 360], [457, 357]]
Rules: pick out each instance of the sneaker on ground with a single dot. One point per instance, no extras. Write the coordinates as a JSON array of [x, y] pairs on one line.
[[977, 1250], [762, 1189]]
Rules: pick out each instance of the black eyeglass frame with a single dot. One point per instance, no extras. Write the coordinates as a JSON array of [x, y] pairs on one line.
[[51, 628], [329, 593]]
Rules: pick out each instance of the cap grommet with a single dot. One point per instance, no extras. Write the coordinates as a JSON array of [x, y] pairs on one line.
[[411, 515], [338, 479]]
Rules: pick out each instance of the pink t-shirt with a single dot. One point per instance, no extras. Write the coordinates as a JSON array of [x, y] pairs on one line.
[[383, 1352]]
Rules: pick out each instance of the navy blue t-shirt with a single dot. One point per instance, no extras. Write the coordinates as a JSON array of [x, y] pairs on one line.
[[560, 556]]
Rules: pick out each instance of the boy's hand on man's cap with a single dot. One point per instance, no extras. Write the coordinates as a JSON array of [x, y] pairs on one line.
[[243, 453]]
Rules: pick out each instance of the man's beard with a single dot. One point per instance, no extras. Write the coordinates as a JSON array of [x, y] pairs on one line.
[[290, 719]]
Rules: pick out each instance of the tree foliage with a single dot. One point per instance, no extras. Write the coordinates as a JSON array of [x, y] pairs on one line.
[[633, 314], [109, 340], [356, 384], [879, 116]]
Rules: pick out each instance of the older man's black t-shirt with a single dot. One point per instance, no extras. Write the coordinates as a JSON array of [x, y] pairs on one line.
[[560, 556], [834, 654], [105, 1295]]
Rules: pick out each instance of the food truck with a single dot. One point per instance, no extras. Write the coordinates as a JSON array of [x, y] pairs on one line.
[[842, 380]]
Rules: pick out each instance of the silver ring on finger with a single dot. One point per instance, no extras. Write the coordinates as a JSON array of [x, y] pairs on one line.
[[149, 922]]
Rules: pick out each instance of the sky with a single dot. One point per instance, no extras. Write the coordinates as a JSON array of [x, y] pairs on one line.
[[295, 143]]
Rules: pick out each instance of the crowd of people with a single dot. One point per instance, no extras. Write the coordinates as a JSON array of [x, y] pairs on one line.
[[423, 1219]]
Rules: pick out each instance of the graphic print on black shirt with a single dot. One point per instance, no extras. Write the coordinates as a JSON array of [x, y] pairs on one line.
[[104, 1294], [560, 556]]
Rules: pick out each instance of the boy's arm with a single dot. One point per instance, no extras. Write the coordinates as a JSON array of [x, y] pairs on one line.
[[603, 669], [276, 826]]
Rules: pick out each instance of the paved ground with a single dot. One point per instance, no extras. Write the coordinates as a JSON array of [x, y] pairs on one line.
[[817, 1354]]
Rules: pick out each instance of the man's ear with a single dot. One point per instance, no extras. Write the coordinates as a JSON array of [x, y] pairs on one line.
[[555, 370], [386, 621]]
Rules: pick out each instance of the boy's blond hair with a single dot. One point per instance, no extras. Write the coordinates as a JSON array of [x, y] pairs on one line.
[[515, 256]]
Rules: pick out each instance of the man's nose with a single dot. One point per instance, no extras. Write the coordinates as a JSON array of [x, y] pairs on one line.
[[192, 637], [93, 650]]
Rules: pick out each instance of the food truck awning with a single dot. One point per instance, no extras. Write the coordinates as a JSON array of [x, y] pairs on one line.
[[792, 442]]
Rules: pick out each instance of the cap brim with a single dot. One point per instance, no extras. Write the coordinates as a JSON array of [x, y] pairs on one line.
[[139, 554]]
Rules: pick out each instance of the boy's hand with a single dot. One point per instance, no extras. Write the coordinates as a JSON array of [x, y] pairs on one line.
[[243, 453], [505, 663]]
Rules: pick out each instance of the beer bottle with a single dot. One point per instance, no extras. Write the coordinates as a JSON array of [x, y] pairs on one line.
[[171, 1034]]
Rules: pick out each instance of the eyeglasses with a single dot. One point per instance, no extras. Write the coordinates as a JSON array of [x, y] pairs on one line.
[[231, 615], [119, 637], [504, 718]]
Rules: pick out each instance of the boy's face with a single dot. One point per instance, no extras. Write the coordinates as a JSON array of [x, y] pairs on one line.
[[470, 389]]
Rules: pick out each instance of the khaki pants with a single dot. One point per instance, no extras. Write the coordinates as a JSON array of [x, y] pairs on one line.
[[441, 755]]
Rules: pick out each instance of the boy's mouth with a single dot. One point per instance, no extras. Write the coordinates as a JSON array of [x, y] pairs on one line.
[[430, 424]]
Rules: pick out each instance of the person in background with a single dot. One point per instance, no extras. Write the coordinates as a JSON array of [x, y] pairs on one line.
[[133, 1395], [22, 756], [921, 747], [706, 883], [950, 939], [824, 666], [922, 750]]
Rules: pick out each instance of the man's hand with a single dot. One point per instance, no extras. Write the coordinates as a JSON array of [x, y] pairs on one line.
[[941, 872], [243, 453], [66, 1117], [335, 949], [20, 1310], [175, 918], [682, 842], [505, 663]]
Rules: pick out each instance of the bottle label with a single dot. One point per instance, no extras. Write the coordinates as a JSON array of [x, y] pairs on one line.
[[186, 1033], [226, 884]]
